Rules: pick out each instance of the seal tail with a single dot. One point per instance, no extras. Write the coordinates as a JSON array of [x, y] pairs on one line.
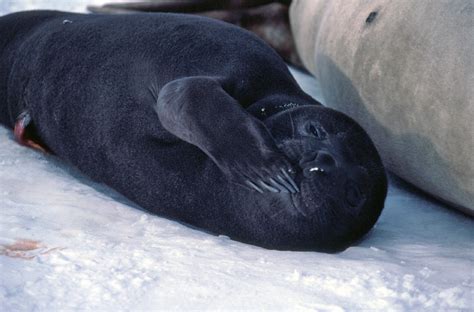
[[25, 133]]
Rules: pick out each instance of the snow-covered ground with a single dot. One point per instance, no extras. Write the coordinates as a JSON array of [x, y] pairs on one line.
[[69, 243]]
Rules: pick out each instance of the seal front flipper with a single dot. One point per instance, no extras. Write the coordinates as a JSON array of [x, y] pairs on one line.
[[199, 111], [25, 133]]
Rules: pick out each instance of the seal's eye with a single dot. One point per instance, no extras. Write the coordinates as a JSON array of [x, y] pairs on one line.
[[316, 130]]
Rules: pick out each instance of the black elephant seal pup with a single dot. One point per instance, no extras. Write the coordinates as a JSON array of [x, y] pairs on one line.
[[193, 119]]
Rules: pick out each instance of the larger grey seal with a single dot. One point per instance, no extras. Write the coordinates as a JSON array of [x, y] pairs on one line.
[[404, 70]]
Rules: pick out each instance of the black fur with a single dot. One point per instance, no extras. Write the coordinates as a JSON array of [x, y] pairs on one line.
[[193, 119]]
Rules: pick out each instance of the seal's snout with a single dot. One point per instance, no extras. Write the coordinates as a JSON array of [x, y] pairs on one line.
[[317, 162]]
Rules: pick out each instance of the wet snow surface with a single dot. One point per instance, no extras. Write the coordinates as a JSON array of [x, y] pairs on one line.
[[69, 243]]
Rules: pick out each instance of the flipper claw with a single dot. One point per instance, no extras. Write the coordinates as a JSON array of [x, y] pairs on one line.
[[286, 184], [279, 186], [268, 187], [252, 185], [290, 180]]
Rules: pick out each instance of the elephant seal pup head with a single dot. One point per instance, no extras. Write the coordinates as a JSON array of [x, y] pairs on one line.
[[340, 175]]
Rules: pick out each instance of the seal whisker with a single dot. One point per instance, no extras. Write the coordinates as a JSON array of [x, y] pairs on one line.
[[292, 127], [273, 216], [152, 92]]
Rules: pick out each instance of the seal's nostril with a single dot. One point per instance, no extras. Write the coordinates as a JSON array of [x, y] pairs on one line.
[[319, 162], [325, 160]]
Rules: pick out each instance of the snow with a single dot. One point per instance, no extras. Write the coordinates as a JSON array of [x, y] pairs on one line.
[[69, 243]]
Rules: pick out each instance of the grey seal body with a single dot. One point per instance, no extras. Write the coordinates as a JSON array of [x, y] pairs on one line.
[[404, 70]]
